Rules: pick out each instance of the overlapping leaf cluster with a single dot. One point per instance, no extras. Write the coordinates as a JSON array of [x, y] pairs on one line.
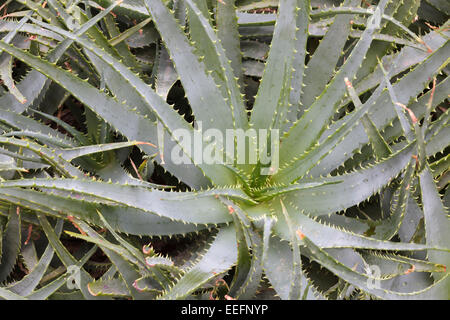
[[92, 92]]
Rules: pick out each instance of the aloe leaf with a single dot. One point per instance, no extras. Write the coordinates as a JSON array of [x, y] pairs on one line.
[[302, 164], [313, 122], [441, 166], [437, 142], [270, 192], [109, 108], [104, 244], [278, 269], [29, 282], [246, 283], [1, 238], [244, 257], [323, 62], [114, 172], [148, 285], [255, 19], [24, 123], [390, 226], [148, 36], [159, 261], [438, 290], [436, 126], [381, 112], [254, 49], [80, 137], [390, 40], [32, 87], [297, 272], [57, 9], [404, 12], [45, 139], [234, 193], [110, 273], [251, 283], [50, 289], [112, 80], [253, 68], [299, 65], [27, 205], [35, 84], [6, 75], [406, 127], [27, 216], [272, 102], [74, 295], [124, 244], [436, 219], [267, 234], [129, 220], [347, 256], [113, 287], [11, 243], [66, 258], [133, 9], [392, 265], [8, 26], [48, 155], [337, 238], [410, 129], [321, 13], [69, 154], [255, 4], [117, 39], [29, 255], [205, 210], [222, 70], [6, 63], [121, 258], [166, 75], [123, 91], [192, 73], [219, 258], [354, 188], [228, 33], [10, 167], [122, 49], [379, 145], [199, 22], [167, 115], [398, 62], [18, 156], [9, 295]]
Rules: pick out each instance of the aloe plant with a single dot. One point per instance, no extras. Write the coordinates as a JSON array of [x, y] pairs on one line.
[[346, 205]]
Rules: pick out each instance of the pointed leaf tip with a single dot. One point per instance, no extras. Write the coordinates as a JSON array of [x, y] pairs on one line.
[[300, 234]]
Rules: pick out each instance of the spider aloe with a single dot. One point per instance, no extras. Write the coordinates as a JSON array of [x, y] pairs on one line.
[[330, 184]]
